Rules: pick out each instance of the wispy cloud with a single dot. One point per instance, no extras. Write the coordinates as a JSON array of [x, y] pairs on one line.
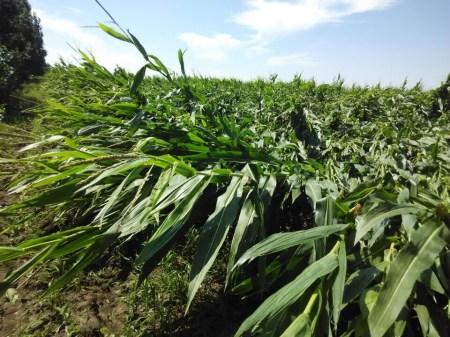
[[213, 47], [271, 17], [61, 31], [75, 10], [294, 59]]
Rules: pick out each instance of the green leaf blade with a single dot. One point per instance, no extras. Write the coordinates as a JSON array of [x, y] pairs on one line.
[[410, 263], [112, 32], [289, 294], [214, 233]]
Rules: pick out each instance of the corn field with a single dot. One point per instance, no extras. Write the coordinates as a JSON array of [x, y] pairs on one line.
[[330, 203]]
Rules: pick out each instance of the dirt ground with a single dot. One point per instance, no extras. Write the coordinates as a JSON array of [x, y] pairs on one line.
[[90, 308], [105, 300], [96, 305]]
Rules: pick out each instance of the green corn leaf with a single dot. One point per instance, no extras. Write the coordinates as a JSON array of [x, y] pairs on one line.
[[110, 31], [428, 305], [313, 191], [426, 324], [32, 245], [9, 253], [325, 210], [117, 169], [300, 327], [282, 241], [323, 216], [137, 80], [113, 199], [56, 195], [264, 193], [416, 257], [97, 249], [337, 290], [139, 46], [430, 279], [213, 234], [289, 294], [174, 189], [162, 68], [78, 242], [90, 129], [122, 167], [173, 223], [358, 282], [245, 223], [47, 141], [375, 217], [361, 192], [54, 178], [181, 60], [160, 186], [251, 219], [26, 267]]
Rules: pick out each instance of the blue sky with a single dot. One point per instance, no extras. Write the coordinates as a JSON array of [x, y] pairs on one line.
[[366, 41]]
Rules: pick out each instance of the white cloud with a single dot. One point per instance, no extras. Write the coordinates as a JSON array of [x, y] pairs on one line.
[[75, 10], [271, 17], [213, 47], [67, 28], [296, 59], [61, 31]]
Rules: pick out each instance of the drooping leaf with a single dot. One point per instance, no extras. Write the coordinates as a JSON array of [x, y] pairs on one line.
[[323, 216], [305, 323], [137, 80], [282, 241], [26, 267], [162, 68], [171, 225], [58, 239], [325, 210], [289, 294], [170, 190], [374, 218], [247, 218], [160, 186], [92, 253], [47, 141], [362, 191], [56, 195], [181, 61], [213, 234], [339, 283], [113, 32], [426, 324], [115, 196], [313, 191], [405, 270], [139, 46], [300, 327], [358, 282]]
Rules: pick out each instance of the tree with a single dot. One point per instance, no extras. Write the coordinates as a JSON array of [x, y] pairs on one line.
[[22, 53]]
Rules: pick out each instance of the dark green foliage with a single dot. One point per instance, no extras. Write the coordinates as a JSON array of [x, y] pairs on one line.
[[22, 53], [441, 102]]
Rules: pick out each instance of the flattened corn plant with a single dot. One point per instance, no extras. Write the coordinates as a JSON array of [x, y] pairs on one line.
[[334, 200]]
